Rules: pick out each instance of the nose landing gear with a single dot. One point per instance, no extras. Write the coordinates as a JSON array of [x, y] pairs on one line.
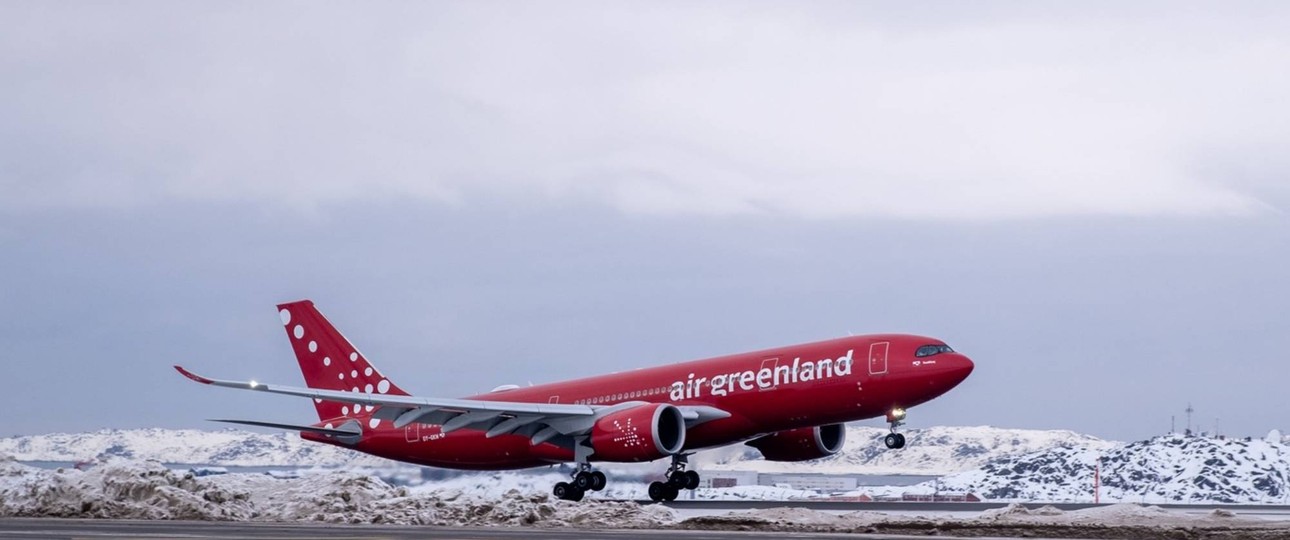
[[678, 478], [896, 418]]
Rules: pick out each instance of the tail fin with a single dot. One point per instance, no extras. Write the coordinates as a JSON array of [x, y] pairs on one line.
[[329, 361]]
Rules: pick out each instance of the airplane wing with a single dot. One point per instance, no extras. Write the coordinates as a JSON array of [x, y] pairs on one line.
[[539, 421]]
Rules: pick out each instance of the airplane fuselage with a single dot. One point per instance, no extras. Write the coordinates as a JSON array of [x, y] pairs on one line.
[[764, 392]]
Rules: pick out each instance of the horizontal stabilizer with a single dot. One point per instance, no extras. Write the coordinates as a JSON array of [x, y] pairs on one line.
[[348, 429]]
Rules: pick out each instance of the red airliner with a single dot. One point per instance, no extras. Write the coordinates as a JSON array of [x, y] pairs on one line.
[[789, 403]]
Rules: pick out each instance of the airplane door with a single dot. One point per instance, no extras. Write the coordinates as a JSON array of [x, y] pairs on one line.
[[878, 358], [412, 433]]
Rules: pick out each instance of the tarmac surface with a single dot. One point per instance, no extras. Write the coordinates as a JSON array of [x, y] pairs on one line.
[[45, 528], [686, 508]]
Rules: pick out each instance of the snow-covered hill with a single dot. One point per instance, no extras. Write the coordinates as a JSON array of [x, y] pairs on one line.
[[929, 451], [1161, 470], [1000, 464], [223, 447]]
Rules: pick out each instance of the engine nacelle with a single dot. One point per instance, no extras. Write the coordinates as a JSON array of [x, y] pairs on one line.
[[802, 444], [641, 433]]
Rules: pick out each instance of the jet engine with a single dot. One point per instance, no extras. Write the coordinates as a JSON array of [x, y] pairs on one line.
[[641, 433], [801, 444]]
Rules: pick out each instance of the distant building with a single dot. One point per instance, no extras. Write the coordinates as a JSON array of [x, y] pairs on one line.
[[825, 483], [208, 471], [819, 482], [939, 497], [848, 498], [728, 479], [723, 482]]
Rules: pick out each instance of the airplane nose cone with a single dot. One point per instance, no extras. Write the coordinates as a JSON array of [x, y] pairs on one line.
[[962, 367]]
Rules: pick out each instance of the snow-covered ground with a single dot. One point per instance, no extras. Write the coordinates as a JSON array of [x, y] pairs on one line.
[[494, 485], [993, 463], [129, 489]]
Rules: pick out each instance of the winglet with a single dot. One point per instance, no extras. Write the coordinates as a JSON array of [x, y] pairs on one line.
[[192, 375]]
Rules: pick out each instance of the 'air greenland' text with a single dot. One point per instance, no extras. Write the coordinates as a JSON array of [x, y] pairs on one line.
[[766, 377]]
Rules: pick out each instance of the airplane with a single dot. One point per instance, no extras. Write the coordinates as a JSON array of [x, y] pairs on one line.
[[789, 403]]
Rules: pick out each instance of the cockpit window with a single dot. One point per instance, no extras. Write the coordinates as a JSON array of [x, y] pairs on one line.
[[928, 350]]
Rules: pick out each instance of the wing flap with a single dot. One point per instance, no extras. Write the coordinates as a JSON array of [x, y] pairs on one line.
[[349, 429]]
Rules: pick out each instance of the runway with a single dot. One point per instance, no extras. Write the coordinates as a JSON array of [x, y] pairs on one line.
[[46, 528]]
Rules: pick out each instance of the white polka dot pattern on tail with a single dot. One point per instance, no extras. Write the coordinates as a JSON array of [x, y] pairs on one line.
[[368, 371], [353, 357], [326, 360], [345, 410], [354, 373], [373, 423], [298, 331], [286, 317], [313, 346], [383, 386], [368, 388]]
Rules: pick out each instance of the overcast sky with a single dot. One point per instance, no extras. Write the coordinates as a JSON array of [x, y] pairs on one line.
[[1090, 200]]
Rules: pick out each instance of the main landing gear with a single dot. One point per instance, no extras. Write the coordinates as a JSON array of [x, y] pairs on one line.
[[678, 478], [896, 418], [584, 480]]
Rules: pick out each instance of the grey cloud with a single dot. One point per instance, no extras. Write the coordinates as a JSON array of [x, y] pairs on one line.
[[824, 110], [1088, 199]]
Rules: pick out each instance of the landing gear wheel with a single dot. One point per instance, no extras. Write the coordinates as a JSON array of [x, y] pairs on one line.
[[677, 480], [562, 490], [657, 491], [584, 481], [575, 494], [691, 479], [894, 440], [598, 481], [670, 492]]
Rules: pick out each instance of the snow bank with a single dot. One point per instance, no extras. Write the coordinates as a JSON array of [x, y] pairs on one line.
[[123, 489]]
